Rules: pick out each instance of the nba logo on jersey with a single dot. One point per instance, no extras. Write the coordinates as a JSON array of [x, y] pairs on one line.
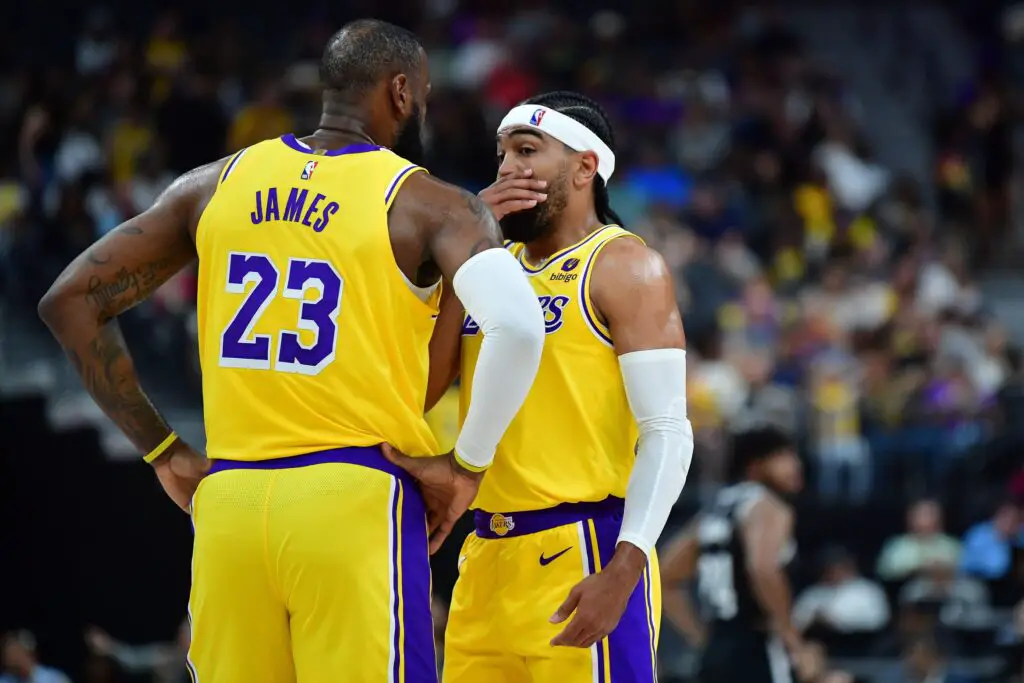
[[501, 525], [537, 116], [307, 172]]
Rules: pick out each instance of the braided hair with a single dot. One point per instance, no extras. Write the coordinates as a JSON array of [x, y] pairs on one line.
[[589, 113]]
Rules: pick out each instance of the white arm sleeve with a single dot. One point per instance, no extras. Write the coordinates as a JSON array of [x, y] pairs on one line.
[[655, 384], [494, 290]]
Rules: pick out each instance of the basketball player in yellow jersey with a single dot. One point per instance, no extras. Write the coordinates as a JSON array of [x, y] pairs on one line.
[[560, 582], [318, 267]]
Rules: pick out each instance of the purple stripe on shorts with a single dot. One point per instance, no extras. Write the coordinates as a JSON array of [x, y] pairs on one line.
[[365, 456], [593, 566], [630, 644], [531, 522], [397, 607], [649, 609], [588, 547], [419, 656]]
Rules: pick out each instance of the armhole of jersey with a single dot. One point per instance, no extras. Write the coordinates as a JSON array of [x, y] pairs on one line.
[[231, 165], [590, 315], [429, 296], [747, 504], [228, 169], [396, 183]]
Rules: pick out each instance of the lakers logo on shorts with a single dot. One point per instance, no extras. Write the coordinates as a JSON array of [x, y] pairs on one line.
[[501, 525]]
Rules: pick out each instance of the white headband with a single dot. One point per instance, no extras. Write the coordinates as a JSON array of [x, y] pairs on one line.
[[569, 132]]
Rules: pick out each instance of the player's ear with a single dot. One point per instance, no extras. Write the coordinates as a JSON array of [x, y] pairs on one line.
[[401, 94], [586, 169]]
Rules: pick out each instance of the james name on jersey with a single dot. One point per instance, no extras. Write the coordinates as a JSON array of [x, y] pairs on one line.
[[296, 208]]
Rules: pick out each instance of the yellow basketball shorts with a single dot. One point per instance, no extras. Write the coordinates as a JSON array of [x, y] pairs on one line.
[[310, 569], [515, 571]]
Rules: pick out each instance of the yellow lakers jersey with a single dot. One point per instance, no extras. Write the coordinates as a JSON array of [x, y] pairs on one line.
[[309, 335], [574, 438]]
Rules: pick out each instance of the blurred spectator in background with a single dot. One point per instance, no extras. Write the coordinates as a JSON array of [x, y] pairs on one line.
[[20, 664], [961, 602], [835, 431], [988, 546], [842, 601], [816, 667], [924, 544], [164, 662], [1010, 641], [151, 179], [264, 118], [1010, 398], [191, 121], [924, 662]]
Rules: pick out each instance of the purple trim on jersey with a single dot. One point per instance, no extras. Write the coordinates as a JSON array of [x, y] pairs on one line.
[[587, 313], [532, 521], [231, 164], [357, 148], [418, 655], [631, 644], [364, 456], [398, 179], [565, 252]]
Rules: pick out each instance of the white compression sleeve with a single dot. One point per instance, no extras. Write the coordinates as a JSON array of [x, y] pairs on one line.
[[655, 384], [492, 287]]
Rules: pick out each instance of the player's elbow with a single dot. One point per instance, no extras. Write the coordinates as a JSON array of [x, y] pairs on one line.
[[63, 301], [522, 323], [50, 306]]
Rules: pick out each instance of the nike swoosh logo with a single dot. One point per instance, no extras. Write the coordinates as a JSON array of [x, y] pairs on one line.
[[544, 561]]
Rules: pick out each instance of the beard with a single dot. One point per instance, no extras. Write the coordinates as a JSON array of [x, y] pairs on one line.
[[409, 144], [531, 224]]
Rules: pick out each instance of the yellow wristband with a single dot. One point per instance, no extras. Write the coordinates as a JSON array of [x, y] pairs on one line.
[[466, 465], [164, 445]]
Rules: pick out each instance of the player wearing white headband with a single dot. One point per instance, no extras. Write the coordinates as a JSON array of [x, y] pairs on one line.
[[568, 516]]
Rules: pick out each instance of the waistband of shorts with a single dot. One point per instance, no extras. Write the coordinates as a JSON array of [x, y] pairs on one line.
[[364, 456], [511, 524]]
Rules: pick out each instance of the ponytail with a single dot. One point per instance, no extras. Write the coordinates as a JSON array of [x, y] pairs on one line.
[[602, 204]]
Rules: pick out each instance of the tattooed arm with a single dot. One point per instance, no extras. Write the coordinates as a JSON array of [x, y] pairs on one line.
[[116, 273]]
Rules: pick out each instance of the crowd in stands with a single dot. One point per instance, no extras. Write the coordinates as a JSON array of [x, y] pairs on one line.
[[821, 291]]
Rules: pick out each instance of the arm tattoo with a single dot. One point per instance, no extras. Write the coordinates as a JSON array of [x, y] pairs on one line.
[[485, 218], [93, 342], [125, 288], [109, 376]]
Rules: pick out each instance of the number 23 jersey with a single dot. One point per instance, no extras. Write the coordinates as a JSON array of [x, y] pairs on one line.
[[309, 335]]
